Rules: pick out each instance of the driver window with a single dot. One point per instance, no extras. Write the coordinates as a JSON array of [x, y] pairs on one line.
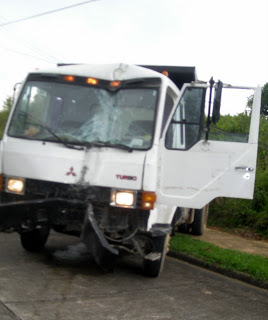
[[186, 125]]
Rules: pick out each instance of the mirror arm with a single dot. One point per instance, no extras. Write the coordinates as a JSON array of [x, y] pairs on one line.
[[211, 82], [14, 91]]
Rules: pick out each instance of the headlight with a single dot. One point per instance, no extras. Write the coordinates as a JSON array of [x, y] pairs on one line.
[[128, 199], [15, 185], [123, 198]]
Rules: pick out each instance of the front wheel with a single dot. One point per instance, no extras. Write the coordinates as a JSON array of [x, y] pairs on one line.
[[153, 262], [34, 240]]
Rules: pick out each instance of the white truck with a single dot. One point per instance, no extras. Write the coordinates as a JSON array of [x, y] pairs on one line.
[[119, 155]]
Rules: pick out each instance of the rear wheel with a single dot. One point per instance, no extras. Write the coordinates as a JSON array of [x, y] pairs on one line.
[[34, 240], [198, 224], [184, 227], [154, 261]]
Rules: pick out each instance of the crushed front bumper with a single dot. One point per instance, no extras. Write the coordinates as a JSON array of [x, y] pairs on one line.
[[14, 216], [78, 217], [41, 211]]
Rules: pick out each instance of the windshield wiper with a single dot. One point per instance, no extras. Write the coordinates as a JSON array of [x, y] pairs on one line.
[[67, 145], [107, 144], [119, 146], [41, 124]]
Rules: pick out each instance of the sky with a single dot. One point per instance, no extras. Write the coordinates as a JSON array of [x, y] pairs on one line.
[[224, 39]]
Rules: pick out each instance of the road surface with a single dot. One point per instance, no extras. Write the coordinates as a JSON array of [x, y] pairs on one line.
[[63, 283]]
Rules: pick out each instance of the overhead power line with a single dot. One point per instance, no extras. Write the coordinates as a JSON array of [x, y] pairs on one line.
[[46, 13], [28, 55], [19, 38]]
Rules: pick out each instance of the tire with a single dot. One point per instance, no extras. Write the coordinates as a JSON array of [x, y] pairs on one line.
[[184, 228], [198, 224], [175, 220], [153, 268], [34, 240]]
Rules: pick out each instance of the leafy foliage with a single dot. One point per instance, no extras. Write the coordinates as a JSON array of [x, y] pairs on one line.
[[4, 114], [264, 100], [7, 104]]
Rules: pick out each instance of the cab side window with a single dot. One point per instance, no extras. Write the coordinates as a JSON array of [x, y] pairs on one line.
[[185, 128], [169, 104]]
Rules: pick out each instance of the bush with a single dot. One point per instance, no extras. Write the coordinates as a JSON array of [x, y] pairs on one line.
[[3, 120], [245, 214], [4, 114]]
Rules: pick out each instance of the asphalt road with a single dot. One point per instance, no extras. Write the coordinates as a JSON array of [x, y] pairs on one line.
[[63, 283]]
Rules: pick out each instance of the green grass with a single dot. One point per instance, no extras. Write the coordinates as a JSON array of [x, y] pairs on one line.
[[254, 265]]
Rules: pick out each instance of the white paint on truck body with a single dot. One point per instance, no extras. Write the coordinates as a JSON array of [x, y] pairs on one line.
[[181, 178], [54, 162]]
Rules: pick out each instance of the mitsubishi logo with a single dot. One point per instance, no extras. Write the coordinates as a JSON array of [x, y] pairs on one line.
[[71, 172]]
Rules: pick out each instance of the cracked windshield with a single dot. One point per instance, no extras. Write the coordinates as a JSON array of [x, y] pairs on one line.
[[83, 115]]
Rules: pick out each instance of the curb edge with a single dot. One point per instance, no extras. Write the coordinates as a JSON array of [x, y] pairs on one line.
[[231, 274]]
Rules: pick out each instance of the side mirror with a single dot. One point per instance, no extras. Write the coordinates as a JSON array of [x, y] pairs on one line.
[[217, 102]]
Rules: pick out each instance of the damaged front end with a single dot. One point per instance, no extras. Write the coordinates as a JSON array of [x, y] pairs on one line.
[[85, 211], [108, 232]]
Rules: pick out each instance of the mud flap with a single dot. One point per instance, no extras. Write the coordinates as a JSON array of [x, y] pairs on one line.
[[103, 253]]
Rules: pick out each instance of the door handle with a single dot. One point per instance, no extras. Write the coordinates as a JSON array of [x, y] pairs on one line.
[[245, 168]]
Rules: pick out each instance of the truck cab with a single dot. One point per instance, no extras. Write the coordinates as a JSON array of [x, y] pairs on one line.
[[117, 154]]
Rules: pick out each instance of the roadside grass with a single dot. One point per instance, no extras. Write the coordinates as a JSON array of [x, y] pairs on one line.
[[254, 265]]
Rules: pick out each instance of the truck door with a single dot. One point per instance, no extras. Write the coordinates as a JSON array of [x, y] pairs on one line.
[[192, 170]]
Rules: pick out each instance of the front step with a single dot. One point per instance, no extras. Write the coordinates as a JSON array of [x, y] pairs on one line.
[[153, 256]]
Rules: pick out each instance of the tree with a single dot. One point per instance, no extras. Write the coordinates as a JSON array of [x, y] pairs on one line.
[[4, 114], [7, 104], [264, 101]]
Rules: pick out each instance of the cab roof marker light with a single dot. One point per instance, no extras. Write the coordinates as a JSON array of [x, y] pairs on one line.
[[69, 78], [115, 84], [92, 81], [165, 73]]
